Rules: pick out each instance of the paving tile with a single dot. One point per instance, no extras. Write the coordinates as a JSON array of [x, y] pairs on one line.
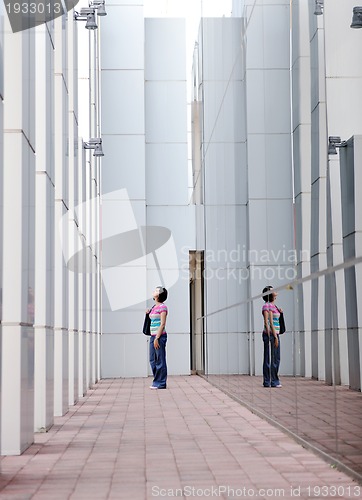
[[122, 441], [327, 417]]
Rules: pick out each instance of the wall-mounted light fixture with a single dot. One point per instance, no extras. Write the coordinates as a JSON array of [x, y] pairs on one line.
[[357, 17], [86, 14], [335, 142], [100, 6], [96, 144], [319, 4]]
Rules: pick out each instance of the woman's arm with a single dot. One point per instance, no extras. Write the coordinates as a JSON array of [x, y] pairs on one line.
[[266, 323], [276, 340]]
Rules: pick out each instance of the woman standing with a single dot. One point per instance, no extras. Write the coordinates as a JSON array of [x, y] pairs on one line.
[[158, 316], [271, 341]]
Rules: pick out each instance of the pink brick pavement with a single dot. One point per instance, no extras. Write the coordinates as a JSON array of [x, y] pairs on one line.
[[124, 441]]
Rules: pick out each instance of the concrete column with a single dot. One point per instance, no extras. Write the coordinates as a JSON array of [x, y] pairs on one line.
[[17, 349], [82, 324], [44, 240], [61, 214], [73, 275]]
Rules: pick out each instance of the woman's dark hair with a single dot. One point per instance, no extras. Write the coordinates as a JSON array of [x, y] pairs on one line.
[[269, 297], [162, 296]]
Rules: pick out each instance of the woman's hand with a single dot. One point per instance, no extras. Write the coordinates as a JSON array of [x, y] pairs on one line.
[[276, 341], [156, 343]]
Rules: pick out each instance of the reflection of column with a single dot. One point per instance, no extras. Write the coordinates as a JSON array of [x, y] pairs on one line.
[[44, 236], [61, 209], [269, 173], [352, 247], [318, 195], [17, 349], [344, 118], [358, 248], [301, 73]]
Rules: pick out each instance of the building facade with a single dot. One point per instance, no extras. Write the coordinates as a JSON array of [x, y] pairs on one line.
[[144, 187]]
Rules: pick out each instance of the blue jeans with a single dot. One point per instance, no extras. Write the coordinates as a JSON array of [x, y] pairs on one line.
[[158, 362], [271, 361]]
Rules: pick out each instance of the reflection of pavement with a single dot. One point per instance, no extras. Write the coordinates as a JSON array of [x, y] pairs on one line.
[[123, 441], [327, 417]]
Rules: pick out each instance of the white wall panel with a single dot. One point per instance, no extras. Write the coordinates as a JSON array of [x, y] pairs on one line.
[[128, 320], [164, 60], [301, 83], [343, 117], [124, 165], [318, 85], [180, 222], [255, 52], [165, 111], [167, 175], [268, 154], [257, 157], [123, 28], [111, 353], [269, 41], [318, 140], [302, 154], [124, 355], [223, 41], [134, 366], [268, 101], [28, 86], [122, 102], [225, 113], [338, 20], [178, 354]]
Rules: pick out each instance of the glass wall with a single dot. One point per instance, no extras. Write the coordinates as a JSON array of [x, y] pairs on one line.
[[274, 208], [321, 412]]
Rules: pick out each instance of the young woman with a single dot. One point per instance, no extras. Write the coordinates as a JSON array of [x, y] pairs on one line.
[[271, 341], [158, 339]]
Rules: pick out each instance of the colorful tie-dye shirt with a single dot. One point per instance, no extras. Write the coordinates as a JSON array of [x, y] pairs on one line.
[[270, 306], [155, 316]]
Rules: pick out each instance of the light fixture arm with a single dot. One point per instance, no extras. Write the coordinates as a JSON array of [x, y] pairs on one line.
[[319, 6], [86, 14], [99, 5], [96, 144], [335, 142]]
